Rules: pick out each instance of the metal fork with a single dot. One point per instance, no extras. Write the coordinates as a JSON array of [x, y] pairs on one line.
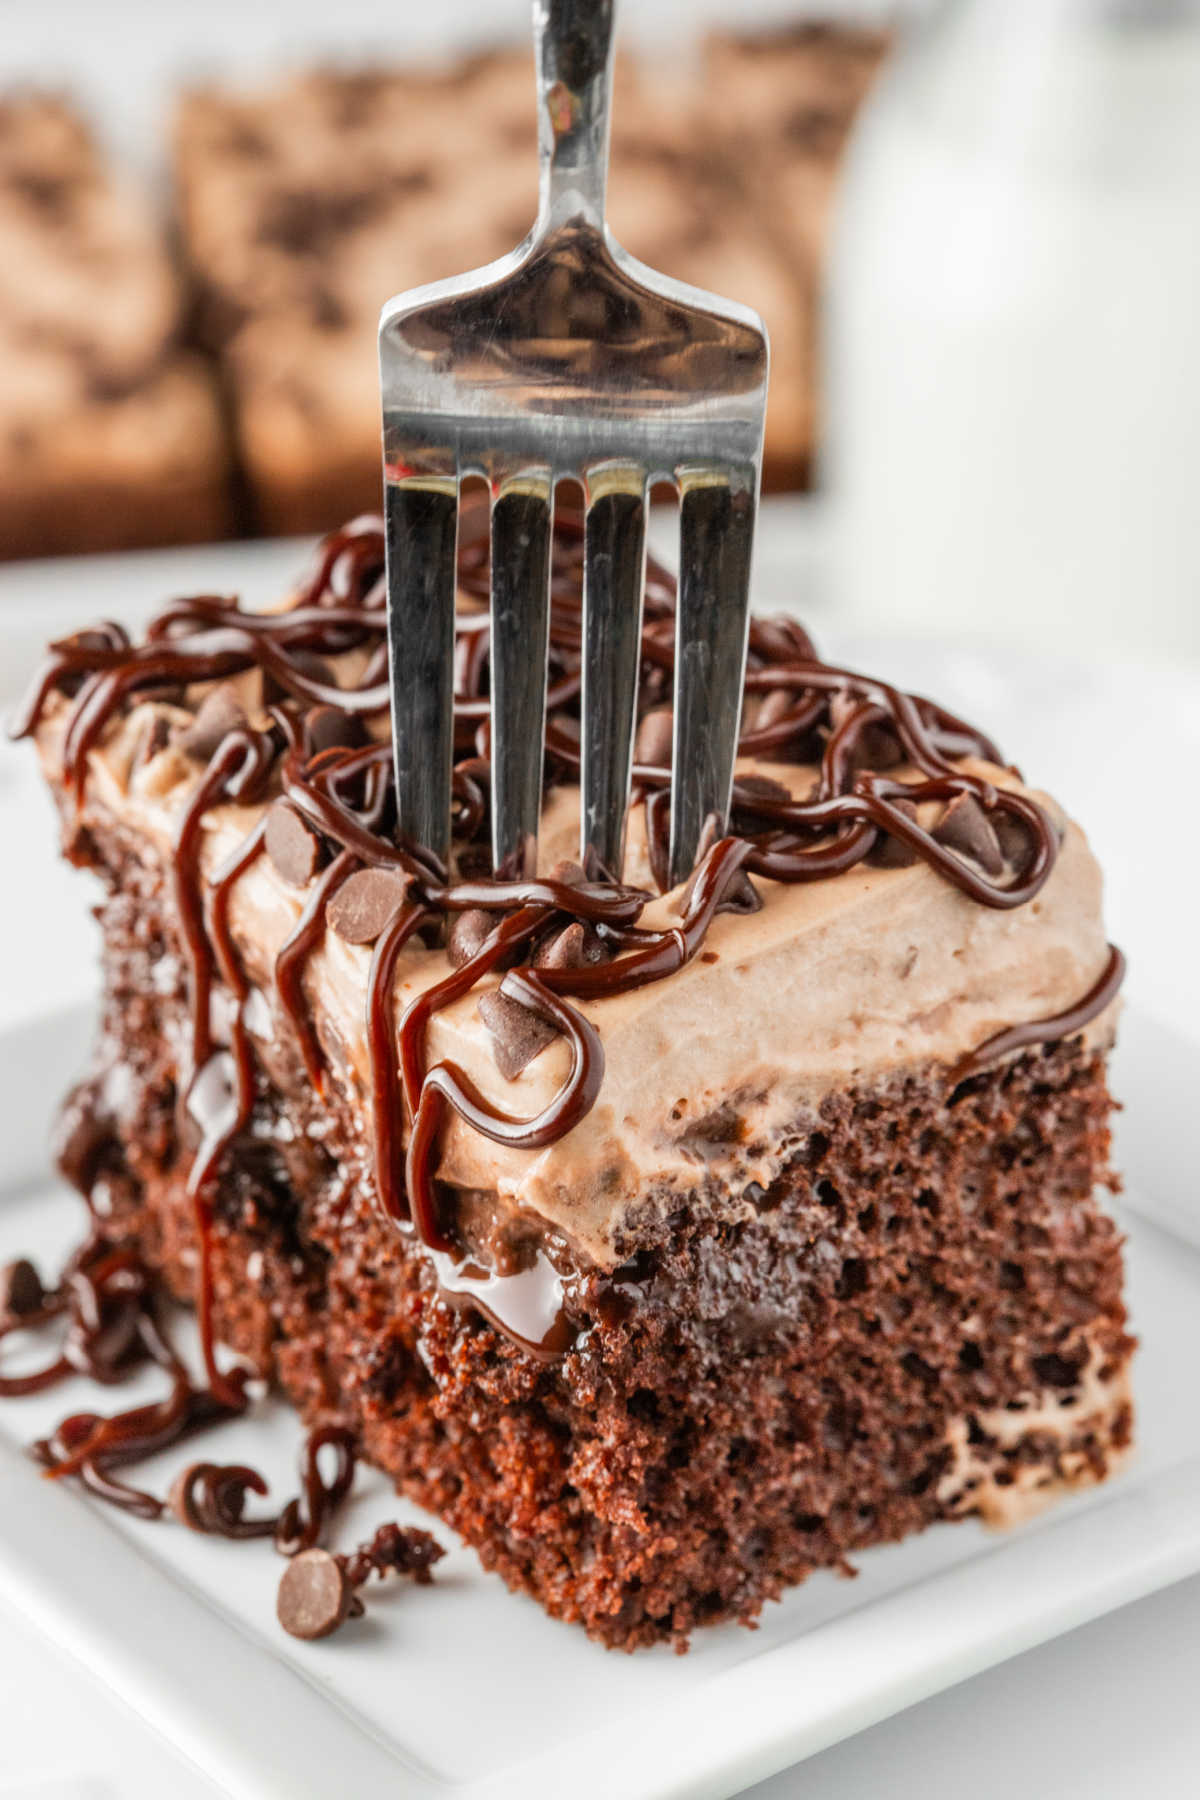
[[569, 359]]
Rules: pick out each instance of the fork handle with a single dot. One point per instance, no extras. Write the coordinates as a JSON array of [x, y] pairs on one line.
[[573, 42]]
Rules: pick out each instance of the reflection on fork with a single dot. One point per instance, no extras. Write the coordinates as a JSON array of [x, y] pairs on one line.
[[569, 360]]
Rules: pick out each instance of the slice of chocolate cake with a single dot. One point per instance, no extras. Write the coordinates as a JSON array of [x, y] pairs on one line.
[[669, 1245]]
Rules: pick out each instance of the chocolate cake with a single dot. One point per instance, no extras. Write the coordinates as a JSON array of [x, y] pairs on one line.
[[110, 433], [669, 1245]]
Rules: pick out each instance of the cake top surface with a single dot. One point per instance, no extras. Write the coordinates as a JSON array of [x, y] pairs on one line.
[[589, 1050]]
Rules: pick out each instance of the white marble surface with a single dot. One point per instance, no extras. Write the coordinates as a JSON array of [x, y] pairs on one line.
[[1107, 1712]]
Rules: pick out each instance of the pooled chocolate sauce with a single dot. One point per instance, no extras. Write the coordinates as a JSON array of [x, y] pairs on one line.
[[855, 728]]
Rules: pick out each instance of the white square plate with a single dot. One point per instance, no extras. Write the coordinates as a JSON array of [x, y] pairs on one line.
[[463, 1686]]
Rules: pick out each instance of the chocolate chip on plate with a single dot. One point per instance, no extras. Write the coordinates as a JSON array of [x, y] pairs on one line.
[[292, 845], [365, 905], [315, 1595], [467, 934], [965, 827], [776, 706], [21, 1290], [219, 713], [154, 737], [889, 852], [518, 1034], [652, 745]]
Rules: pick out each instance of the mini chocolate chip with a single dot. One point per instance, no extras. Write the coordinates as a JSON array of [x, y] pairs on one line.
[[292, 845], [474, 862], [890, 852], [315, 1596], [740, 895], [652, 745], [966, 828], [219, 713], [518, 1035], [21, 1290], [572, 948], [777, 705], [307, 662], [763, 787], [467, 933], [329, 728], [155, 736], [875, 746], [304, 662], [365, 905]]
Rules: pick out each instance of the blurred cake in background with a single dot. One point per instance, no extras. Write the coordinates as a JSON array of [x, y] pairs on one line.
[[109, 432], [302, 207], [304, 204], [301, 203]]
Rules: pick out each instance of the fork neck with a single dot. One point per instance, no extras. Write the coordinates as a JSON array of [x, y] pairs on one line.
[[573, 42]]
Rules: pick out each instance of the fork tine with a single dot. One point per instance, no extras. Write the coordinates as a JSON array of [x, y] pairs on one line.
[[716, 534], [614, 570], [421, 540], [521, 518]]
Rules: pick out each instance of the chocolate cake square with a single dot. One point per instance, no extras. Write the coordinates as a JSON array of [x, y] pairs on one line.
[[110, 435], [305, 204], [670, 1245]]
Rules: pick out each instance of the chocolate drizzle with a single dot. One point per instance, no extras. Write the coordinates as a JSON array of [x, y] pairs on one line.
[[112, 1311], [1049, 1030], [881, 755]]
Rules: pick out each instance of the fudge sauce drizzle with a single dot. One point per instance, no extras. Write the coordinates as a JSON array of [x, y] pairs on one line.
[[854, 726], [1046, 1031]]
